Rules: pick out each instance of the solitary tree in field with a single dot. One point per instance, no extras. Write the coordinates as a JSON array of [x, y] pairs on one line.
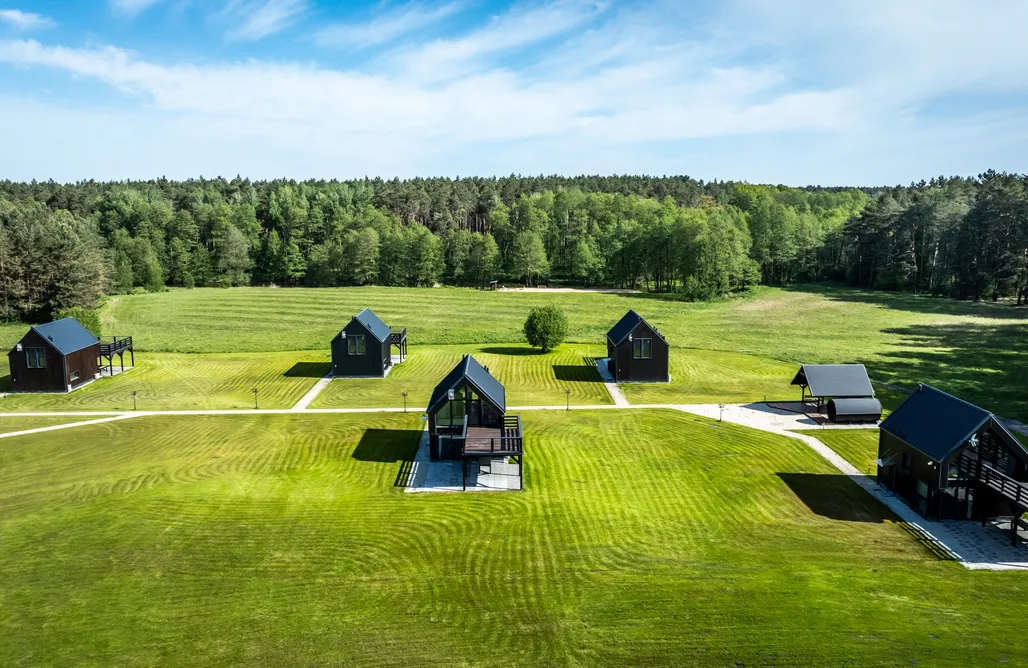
[[546, 327]]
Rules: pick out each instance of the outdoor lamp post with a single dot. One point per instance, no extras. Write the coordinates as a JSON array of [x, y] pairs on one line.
[[567, 396], [720, 412], [404, 401], [254, 390], [133, 400]]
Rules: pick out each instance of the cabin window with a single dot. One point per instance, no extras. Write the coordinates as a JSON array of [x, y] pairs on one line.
[[75, 375], [642, 349], [906, 461], [36, 357], [355, 344], [451, 413]]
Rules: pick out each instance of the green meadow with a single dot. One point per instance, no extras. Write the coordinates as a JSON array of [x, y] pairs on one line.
[[642, 538], [735, 350]]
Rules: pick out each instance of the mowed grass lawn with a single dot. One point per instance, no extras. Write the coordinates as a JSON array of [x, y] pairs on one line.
[[643, 537], [530, 378], [168, 381], [857, 446], [710, 376], [23, 423]]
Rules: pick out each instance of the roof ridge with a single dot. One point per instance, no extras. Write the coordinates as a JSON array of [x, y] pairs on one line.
[[922, 386]]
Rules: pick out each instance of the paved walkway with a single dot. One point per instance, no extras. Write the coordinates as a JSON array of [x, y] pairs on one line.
[[608, 381], [313, 393], [69, 425], [498, 475]]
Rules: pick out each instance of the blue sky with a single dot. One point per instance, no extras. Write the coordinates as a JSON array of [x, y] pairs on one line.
[[847, 92]]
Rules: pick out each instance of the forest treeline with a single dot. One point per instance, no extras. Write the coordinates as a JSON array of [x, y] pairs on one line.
[[66, 245]]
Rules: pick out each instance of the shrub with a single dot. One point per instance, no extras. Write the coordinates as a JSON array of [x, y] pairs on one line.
[[88, 318], [546, 327]]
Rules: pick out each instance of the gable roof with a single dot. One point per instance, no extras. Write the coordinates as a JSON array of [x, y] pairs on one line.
[[374, 324], [936, 423], [67, 335], [835, 380], [626, 325], [475, 374]]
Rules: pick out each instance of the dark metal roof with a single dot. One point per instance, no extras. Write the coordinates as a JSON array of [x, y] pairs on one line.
[[934, 422], [373, 324], [626, 325], [475, 374], [862, 406], [67, 335], [842, 381]]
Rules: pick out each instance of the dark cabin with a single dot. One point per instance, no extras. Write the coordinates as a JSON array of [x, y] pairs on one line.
[[845, 388], [637, 352], [949, 459], [364, 347], [467, 417], [56, 357]]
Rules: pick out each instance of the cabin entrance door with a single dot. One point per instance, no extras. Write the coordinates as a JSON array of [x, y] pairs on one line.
[[474, 409]]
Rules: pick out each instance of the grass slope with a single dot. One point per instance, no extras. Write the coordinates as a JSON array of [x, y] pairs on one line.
[[166, 381], [643, 538], [530, 378], [857, 446]]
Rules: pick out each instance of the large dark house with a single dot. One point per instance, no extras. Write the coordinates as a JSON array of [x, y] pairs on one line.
[[950, 459], [467, 418], [637, 352], [364, 347], [844, 389], [56, 357]]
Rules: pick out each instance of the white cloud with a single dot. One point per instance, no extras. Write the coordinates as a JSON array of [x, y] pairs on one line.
[[386, 27], [625, 88], [521, 27], [25, 21], [257, 19], [133, 7]]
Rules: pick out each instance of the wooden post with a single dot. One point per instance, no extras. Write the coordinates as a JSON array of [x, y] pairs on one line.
[[464, 475]]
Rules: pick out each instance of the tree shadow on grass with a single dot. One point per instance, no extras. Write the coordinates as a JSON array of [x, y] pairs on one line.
[[509, 350], [986, 365], [902, 301], [308, 370], [577, 373], [836, 497]]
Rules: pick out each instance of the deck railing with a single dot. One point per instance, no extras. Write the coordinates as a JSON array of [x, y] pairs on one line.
[[116, 346], [398, 336], [975, 469], [510, 441]]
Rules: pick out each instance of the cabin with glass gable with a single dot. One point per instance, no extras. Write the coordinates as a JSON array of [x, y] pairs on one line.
[[637, 352], [364, 347], [468, 420]]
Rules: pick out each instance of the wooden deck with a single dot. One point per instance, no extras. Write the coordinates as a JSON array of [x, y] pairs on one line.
[[506, 440]]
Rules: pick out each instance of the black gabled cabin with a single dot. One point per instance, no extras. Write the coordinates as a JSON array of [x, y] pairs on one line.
[[59, 356], [637, 352], [364, 347], [467, 417], [949, 459], [845, 388]]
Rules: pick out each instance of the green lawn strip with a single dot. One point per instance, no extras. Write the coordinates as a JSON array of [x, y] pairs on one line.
[[529, 377], [857, 446], [707, 376], [23, 423], [642, 538], [170, 381]]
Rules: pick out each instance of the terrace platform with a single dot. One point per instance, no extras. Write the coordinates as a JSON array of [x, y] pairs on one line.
[[485, 474]]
